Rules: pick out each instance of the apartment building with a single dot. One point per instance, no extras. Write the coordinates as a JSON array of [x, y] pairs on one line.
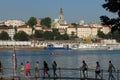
[[25, 28], [82, 31]]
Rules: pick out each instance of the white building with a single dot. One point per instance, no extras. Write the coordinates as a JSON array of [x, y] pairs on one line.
[[14, 23], [83, 31], [11, 33], [25, 28], [105, 29]]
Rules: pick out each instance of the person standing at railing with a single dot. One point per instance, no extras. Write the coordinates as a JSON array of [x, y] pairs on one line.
[[22, 69], [1, 70], [97, 70], [111, 68], [37, 70], [45, 69], [54, 66], [84, 68], [27, 68]]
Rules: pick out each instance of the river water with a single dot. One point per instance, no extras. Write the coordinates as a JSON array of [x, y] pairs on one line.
[[64, 58]]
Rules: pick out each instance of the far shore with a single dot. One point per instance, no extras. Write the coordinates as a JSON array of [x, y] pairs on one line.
[[22, 48]]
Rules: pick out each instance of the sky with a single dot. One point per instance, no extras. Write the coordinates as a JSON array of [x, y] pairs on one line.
[[74, 10]]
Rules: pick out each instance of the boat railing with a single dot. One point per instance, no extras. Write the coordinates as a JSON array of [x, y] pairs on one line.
[[62, 73]]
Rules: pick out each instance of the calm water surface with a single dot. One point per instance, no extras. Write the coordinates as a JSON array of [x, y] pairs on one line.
[[64, 59]]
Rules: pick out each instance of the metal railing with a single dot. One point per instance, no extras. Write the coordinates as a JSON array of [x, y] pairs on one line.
[[62, 73]]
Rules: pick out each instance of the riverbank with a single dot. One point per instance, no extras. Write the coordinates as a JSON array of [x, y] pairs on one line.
[[22, 48]]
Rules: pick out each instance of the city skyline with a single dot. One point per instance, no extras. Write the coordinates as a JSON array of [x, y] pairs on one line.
[[74, 10]]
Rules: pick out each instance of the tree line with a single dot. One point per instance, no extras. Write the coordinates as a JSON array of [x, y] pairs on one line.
[[40, 35]]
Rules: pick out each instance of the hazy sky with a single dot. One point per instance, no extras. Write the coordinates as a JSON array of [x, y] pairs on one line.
[[74, 10]]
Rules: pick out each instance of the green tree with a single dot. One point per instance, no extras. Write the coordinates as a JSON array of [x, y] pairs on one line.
[[76, 27], [105, 36], [114, 7], [4, 36], [38, 34], [46, 22], [65, 37], [74, 24], [31, 22], [15, 29], [21, 36], [73, 35], [115, 35], [56, 34], [48, 35], [100, 34], [11, 26]]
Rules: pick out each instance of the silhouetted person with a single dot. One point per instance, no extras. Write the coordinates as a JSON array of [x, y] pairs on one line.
[[46, 69], [1, 70], [84, 68], [111, 68], [97, 70], [54, 66]]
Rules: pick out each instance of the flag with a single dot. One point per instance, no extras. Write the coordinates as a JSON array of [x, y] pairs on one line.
[[14, 59]]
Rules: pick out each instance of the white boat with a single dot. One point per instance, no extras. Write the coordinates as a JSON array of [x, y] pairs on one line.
[[88, 47], [57, 46]]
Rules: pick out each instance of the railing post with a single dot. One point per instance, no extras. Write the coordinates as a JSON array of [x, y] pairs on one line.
[[101, 73], [80, 73], [117, 74], [60, 73], [87, 73], [1, 73]]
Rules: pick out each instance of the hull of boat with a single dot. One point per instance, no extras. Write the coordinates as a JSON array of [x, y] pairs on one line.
[[57, 47]]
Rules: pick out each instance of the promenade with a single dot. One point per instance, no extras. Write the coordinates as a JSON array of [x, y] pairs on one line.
[[61, 75]]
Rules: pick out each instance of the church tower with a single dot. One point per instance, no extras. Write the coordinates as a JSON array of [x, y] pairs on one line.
[[61, 17]]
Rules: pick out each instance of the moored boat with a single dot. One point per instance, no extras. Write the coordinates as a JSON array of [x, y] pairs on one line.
[[57, 46], [88, 47]]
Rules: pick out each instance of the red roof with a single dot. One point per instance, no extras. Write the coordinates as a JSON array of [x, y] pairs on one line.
[[23, 26], [81, 27], [4, 28]]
